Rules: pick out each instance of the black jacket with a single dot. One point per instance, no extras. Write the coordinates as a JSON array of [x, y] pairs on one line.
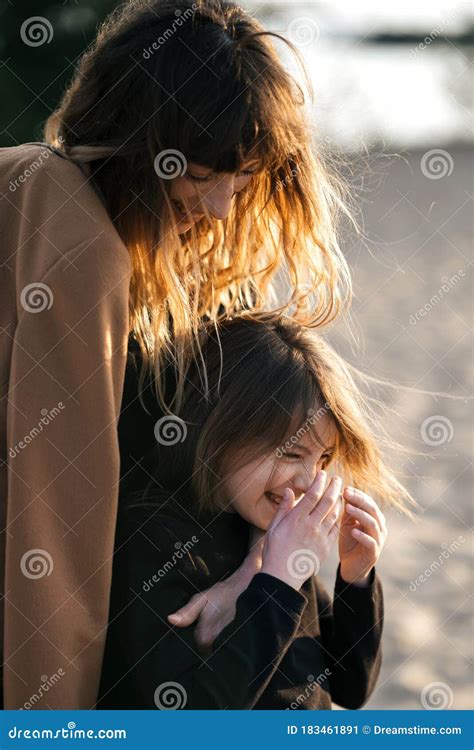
[[284, 648]]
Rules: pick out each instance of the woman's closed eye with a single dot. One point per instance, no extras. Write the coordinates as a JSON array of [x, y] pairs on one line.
[[207, 178]]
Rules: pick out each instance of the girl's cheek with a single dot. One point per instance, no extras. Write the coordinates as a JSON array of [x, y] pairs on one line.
[[283, 474]]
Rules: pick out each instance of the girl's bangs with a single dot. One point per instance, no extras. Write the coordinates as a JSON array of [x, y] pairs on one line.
[[296, 408]]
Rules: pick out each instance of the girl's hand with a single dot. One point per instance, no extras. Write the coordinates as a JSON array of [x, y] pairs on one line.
[[214, 608], [362, 536], [300, 536]]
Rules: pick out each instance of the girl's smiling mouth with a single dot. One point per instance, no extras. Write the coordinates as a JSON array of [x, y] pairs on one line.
[[274, 499]]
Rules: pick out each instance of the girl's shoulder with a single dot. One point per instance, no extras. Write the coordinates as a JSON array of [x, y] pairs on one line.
[[166, 527], [159, 516]]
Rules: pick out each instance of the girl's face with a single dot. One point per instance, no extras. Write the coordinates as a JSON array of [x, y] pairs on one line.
[[256, 489], [202, 191]]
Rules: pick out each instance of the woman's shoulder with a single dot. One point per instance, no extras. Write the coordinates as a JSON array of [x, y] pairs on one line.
[[37, 164], [52, 212]]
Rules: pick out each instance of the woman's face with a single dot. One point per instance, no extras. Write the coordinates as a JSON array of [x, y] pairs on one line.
[[201, 191], [256, 489]]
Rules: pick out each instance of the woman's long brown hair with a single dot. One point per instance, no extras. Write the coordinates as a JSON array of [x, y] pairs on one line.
[[204, 80]]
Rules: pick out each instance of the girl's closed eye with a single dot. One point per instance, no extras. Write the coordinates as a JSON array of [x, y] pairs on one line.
[[292, 456], [325, 458]]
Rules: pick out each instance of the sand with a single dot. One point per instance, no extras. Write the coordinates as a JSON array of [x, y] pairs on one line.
[[416, 257]]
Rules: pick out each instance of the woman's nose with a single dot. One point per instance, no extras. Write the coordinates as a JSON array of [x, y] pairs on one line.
[[218, 201]]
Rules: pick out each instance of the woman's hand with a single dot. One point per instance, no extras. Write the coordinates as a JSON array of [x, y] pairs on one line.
[[256, 541], [362, 536], [214, 608]]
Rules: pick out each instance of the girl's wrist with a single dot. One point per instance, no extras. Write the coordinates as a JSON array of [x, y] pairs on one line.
[[360, 581], [283, 575]]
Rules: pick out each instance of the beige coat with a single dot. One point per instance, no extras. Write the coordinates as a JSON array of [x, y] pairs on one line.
[[64, 295]]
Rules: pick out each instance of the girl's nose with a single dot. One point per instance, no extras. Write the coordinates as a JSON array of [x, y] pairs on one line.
[[301, 482]]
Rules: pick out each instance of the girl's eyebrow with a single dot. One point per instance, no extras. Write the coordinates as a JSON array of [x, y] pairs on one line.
[[326, 448]]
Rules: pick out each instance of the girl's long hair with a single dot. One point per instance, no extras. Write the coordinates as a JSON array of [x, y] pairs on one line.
[[202, 82], [270, 383]]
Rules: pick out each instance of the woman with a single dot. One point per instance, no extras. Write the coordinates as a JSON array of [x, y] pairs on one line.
[[176, 180]]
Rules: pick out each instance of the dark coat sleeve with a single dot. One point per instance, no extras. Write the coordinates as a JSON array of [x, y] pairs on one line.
[[351, 631]]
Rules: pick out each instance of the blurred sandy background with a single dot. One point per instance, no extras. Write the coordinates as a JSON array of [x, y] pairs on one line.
[[418, 233], [393, 98]]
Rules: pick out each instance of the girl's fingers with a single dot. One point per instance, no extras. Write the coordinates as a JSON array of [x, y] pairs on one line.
[[285, 505], [364, 501], [366, 540], [314, 493], [329, 499], [335, 527], [368, 522]]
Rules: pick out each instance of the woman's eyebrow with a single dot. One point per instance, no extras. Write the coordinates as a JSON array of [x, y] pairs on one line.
[[253, 163]]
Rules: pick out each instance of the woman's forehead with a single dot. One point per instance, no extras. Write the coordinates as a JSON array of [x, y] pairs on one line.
[[249, 161]]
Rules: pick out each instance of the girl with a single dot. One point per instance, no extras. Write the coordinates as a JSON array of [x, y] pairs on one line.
[[177, 177], [245, 467]]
